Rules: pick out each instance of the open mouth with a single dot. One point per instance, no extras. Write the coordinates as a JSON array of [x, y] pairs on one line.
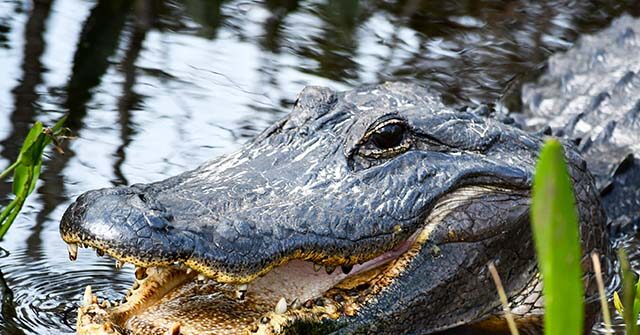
[[164, 300], [296, 293]]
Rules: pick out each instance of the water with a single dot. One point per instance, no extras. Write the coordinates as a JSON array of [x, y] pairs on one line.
[[154, 88]]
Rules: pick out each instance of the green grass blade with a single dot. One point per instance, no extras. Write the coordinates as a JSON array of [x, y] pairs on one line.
[[556, 235], [629, 295], [636, 306], [7, 210], [34, 134], [30, 155], [8, 170], [13, 213], [26, 169], [617, 303], [58, 126]]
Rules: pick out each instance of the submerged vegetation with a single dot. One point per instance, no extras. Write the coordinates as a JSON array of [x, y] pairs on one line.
[[26, 168]]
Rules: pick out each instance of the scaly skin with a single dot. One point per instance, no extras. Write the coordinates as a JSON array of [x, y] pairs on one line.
[[453, 192], [591, 94], [309, 188]]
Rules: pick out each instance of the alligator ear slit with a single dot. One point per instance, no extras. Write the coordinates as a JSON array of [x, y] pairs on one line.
[[544, 131], [274, 129]]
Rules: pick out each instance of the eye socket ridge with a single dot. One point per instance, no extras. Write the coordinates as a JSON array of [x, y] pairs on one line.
[[387, 138]]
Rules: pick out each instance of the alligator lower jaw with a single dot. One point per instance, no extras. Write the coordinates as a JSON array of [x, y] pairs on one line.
[[177, 300]]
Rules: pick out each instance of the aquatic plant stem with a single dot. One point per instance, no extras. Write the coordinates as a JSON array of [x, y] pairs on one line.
[[503, 299], [606, 316], [8, 170], [6, 211]]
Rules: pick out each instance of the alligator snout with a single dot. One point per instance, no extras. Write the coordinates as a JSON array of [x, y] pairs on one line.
[[128, 218], [134, 225]]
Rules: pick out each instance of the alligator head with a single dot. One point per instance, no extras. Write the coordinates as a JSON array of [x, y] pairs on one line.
[[372, 210]]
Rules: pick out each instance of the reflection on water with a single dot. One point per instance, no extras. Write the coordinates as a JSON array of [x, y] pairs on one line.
[[155, 87]]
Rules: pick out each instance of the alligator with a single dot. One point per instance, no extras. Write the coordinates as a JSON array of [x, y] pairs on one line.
[[374, 211]]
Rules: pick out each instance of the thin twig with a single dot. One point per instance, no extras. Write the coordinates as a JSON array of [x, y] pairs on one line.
[[503, 299], [597, 269]]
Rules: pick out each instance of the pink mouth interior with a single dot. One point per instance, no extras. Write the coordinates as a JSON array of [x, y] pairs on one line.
[[215, 305]]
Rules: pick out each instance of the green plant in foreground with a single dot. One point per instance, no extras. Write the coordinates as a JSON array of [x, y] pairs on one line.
[[26, 168], [629, 305], [556, 235]]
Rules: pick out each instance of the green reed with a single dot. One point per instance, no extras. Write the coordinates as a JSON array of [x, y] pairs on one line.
[[26, 168]]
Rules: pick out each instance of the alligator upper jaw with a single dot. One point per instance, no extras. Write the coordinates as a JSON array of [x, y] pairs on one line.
[[176, 297], [163, 300]]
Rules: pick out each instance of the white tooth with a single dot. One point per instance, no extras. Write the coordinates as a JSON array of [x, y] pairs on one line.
[[241, 291], [88, 296], [330, 309], [329, 269], [154, 270], [189, 270], [73, 251], [174, 330], [140, 273], [119, 264], [281, 306], [201, 277], [317, 267]]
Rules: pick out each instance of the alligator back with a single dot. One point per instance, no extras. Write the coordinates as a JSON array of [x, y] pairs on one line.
[[591, 94]]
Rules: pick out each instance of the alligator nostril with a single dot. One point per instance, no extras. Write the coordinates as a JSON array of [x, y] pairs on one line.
[[156, 222]]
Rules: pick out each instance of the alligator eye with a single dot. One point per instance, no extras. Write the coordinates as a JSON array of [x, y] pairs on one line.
[[386, 140], [388, 136]]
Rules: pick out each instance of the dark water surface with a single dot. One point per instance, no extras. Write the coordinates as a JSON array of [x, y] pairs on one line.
[[154, 88]]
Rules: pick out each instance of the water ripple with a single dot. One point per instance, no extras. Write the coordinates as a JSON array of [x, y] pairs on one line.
[[47, 295]]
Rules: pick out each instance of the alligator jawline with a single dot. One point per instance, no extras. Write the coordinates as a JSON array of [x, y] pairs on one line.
[[164, 297], [171, 297]]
